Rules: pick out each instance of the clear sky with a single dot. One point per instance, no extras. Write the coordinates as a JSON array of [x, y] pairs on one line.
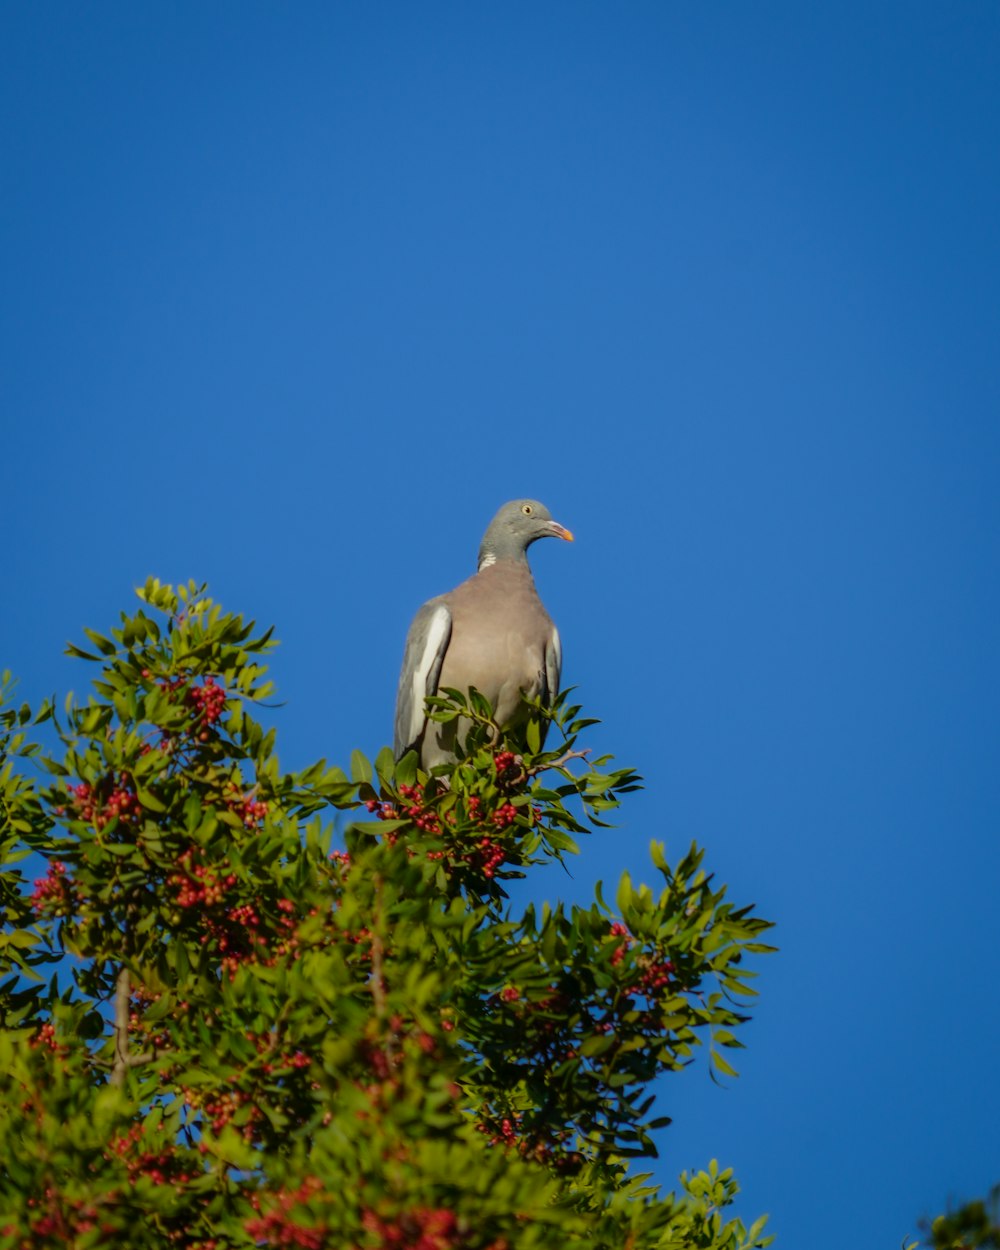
[[292, 297]]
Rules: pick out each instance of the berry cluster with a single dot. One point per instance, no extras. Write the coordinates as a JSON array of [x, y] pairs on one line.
[[485, 854], [273, 1058], [541, 1025], [488, 856], [46, 1036], [55, 893], [652, 973], [374, 1057], [141, 999], [251, 810], [423, 1228], [504, 816], [219, 1107], [236, 930], [502, 1132], [119, 802], [285, 941], [236, 943], [122, 804], [160, 1166], [199, 885], [62, 1220], [278, 1226], [620, 930], [244, 914], [424, 818], [509, 769], [208, 701], [287, 1222]]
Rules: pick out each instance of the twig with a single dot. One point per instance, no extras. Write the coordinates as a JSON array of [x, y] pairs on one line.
[[378, 977], [559, 763], [131, 1061]]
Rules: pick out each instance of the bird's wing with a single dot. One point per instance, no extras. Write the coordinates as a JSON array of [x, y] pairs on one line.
[[553, 667], [426, 644]]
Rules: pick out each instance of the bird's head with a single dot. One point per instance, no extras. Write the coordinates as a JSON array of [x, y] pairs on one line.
[[515, 527]]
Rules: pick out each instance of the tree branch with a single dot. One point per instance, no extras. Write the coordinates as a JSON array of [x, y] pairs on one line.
[[123, 990]]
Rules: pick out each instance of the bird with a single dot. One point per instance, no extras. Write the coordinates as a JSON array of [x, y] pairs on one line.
[[491, 632]]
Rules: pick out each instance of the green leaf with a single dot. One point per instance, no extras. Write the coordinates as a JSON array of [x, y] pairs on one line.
[[375, 827], [722, 1065], [361, 769], [79, 654], [598, 1044], [148, 799], [104, 645], [406, 769], [385, 763]]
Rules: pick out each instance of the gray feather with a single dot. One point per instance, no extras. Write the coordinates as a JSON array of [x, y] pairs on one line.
[[426, 644]]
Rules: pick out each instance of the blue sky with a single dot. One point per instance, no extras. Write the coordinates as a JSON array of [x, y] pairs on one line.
[[294, 297]]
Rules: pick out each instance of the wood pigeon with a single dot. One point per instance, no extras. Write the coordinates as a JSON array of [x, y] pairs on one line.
[[492, 632]]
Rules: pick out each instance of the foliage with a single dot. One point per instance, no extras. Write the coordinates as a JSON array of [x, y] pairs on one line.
[[974, 1226], [217, 1029]]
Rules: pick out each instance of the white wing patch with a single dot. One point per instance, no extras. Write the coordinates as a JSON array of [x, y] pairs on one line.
[[553, 664], [435, 639]]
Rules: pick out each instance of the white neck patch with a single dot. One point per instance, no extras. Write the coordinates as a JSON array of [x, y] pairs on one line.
[[487, 560]]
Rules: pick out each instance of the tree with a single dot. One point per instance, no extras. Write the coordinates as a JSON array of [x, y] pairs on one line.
[[226, 1023]]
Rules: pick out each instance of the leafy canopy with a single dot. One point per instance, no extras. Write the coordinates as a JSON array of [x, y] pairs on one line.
[[233, 1016]]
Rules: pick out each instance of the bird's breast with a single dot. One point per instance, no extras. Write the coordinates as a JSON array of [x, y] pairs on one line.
[[500, 630]]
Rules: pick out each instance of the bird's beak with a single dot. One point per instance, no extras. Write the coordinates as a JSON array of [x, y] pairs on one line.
[[560, 531]]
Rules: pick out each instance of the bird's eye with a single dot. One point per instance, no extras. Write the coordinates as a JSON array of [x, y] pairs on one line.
[[526, 509]]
